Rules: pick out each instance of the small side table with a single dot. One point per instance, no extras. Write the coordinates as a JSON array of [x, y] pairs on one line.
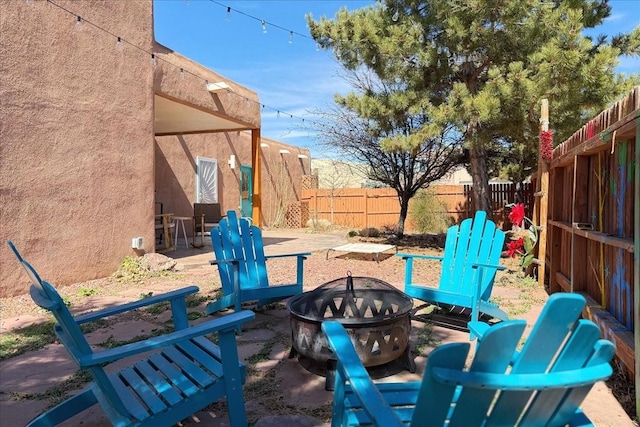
[[180, 222]]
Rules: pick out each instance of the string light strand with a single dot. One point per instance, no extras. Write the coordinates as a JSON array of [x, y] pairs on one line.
[[263, 22], [120, 41]]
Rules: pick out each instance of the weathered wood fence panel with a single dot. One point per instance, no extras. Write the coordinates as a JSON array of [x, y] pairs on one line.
[[353, 207], [359, 208], [592, 232], [503, 194]]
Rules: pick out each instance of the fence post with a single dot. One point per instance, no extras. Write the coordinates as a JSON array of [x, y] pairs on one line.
[[366, 208], [315, 207], [543, 170]]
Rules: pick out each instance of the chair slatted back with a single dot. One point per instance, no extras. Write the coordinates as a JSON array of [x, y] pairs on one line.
[[560, 342], [236, 238], [67, 330], [212, 213], [475, 240], [45, 296]]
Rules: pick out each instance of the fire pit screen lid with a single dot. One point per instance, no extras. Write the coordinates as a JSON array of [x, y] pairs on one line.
[[351, 299]]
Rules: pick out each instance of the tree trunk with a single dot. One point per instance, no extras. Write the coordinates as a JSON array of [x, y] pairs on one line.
[[404, 209], [480, 176]]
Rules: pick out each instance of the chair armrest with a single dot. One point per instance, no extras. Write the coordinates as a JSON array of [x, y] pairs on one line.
[[301, 254], [351, 369], [408, 265], [168, 296], [227, 323], [406, 256], [478, 329], [524, 382]]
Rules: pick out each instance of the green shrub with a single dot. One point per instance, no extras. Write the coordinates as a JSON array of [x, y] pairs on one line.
[[429, 213], [390, 229], [318, 224], [86, 292], [370, 232], [353, 233], [131, 270]]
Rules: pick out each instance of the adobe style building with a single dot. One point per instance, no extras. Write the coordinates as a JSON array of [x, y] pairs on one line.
[[101, 125]]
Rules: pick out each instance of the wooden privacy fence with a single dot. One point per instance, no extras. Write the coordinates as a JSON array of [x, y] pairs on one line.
[[360, 208], [593, 233]]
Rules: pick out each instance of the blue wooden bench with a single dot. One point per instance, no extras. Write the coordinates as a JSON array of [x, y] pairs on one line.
[[186, 373]]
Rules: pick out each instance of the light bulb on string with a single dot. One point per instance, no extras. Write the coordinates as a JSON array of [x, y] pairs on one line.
[[182, 73], [396, 14], [290, 37], [153, 60], [373, 60], [228, 17], [278, 115], [264, 27], [78, 22], [317, 47], [119, 44]]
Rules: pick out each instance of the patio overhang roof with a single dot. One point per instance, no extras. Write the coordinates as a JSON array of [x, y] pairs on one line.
[[177, 118]]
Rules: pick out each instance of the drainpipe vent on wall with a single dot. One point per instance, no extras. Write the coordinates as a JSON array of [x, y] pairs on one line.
[[137, 243]]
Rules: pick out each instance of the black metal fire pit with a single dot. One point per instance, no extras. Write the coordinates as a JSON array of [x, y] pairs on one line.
[[375, 314]]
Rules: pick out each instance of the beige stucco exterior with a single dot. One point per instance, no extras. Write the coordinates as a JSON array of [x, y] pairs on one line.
[[282, 174], [176, 171], [81, 166]]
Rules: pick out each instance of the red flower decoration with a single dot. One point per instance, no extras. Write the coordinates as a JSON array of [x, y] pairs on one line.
[[517, 214], [514, 247], [546, 145]]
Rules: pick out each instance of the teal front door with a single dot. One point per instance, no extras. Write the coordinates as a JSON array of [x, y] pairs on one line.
[[246, 191]]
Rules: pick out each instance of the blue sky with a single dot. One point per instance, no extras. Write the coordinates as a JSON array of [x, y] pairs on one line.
[[289, 74]]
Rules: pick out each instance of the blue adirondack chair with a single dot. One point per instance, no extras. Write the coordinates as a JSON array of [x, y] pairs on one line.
[[543, 385], [187, 373], [469, 264], [241, 262]]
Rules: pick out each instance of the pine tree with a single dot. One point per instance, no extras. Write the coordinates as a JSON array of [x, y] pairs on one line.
[[482, 66]]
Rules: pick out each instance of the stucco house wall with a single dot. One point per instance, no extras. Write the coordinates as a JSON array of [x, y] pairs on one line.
[[283, 167], [76, 141], [176, 171], [184, 80], [81, 161], [176, 154]]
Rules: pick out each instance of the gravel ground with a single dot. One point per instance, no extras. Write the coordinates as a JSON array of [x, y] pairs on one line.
[[20, 311]]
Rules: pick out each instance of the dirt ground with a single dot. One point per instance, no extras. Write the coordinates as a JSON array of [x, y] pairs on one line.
[[520, 297]]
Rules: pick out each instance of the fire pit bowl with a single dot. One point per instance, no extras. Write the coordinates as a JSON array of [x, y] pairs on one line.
[[375, 314]]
